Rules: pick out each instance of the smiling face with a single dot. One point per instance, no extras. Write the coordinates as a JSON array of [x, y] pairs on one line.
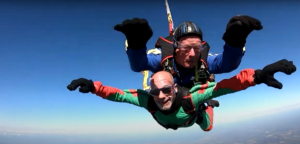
[[188, 51], [163, 89]]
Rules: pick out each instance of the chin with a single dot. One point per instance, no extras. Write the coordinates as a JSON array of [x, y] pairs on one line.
[[165, 108], [188, 65]]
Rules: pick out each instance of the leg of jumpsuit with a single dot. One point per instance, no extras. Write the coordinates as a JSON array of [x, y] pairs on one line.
[[208, 119]]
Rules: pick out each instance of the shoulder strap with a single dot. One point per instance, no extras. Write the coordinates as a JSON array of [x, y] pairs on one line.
[[167, 50], [204, 52], [187, 102], [166, 46], [151, 106], [202, 71], [189, 108]]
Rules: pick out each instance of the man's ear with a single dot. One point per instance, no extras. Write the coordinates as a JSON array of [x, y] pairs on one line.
[[177, 51], [175, 88]]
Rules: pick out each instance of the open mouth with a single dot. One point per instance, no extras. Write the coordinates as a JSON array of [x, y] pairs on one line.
[[164, 102]]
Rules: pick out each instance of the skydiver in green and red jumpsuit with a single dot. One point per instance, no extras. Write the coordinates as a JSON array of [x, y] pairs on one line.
[[173, 106]]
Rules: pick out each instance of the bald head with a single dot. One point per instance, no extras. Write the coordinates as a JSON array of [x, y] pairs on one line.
[[163, 89], [162, 76]]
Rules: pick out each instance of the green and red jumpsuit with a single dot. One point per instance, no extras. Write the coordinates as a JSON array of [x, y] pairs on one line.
[[198, 94]]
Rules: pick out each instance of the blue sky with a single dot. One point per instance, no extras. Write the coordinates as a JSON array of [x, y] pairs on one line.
[[45, 46]]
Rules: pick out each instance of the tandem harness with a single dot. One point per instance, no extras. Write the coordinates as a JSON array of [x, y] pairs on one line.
[[183, 96]]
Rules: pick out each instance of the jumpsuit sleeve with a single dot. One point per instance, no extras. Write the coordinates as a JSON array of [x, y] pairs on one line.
[[139, 60], [242, 81], [227, 61], [132, 96]]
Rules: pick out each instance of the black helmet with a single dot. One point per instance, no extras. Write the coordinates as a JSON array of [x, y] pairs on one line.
[[187, 28]]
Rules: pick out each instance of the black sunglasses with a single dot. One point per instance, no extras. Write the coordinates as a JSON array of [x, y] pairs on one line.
[[165, 90]]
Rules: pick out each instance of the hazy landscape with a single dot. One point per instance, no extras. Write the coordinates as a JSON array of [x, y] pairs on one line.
[[279, 128]]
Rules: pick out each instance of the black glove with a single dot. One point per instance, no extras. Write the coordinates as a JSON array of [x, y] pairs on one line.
[[213, 103], [266, 75], [86, 86], [238, 29], [137, 32]]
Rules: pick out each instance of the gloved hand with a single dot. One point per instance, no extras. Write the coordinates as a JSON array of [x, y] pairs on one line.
[[266, 75], [137, 32], [85, 85], [238, 29], [213, 103]]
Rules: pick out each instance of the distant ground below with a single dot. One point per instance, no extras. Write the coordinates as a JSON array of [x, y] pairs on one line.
[[279, 128]]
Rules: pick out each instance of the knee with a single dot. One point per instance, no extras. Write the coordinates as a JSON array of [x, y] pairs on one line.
[[208, 129], [206, 126]]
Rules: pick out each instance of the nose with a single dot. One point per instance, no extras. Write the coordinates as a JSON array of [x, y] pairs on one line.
[[161, 95], [192, 52]]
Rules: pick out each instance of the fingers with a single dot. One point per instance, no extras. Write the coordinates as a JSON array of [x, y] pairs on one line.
[[125, 24], [136, 23], [258, 27], [73, 85], [118, 27], [132, 23], [237, 25], [275, 83], [128, 24], [251, 22], [287, 67], [84, 89], [71, 88], [255, 23], [144, 23], [292, 68], [242, 20]]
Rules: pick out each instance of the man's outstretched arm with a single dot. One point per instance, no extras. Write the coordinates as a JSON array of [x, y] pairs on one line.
[[227, 61], [245, 79], [241, 81], [132, 96], [140, 60], [237, 30], [137, 32]]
